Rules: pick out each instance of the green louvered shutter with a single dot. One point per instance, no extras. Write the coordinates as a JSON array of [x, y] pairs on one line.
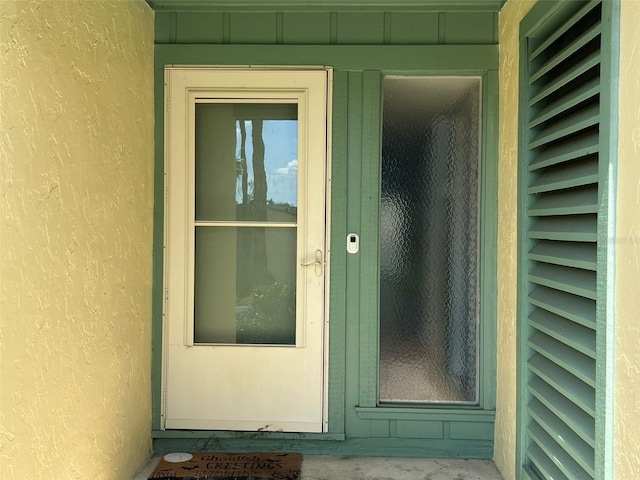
[[562, 161]]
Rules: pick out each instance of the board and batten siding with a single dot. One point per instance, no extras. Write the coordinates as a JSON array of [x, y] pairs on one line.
[[361, 45], [327, 28]]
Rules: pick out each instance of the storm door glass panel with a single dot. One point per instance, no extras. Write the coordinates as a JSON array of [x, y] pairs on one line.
[[246, 182], [429, 240]]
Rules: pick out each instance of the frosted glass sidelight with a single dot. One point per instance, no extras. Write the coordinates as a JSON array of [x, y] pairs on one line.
[[429, 240]]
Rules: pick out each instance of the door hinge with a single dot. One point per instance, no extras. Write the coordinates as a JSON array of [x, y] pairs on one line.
[[166, 294]]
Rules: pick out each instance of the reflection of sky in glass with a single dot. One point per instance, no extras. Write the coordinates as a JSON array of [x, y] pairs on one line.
[[280, 160]]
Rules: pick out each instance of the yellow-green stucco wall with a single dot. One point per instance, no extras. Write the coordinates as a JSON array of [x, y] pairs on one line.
[[76, 149], [505, 429], [627, 251]]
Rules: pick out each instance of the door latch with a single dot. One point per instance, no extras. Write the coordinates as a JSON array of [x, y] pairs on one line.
[[318, 263]]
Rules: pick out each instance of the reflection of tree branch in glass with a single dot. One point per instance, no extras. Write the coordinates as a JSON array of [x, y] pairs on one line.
[[243, 283], [259, 174], [243, 162], [259, 248]]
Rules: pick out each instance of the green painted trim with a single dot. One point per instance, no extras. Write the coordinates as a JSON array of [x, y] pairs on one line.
[[353, 214], [337, 257], [387, 28], [226, 27], [442, 27], [383, 447], [279, 28], [464, 429], [323, 5], [215, 434], [488, 288], [605, 303], [424, 414], [369, 237], [165, 27], [523, 242], [496, 29], [341, 57]]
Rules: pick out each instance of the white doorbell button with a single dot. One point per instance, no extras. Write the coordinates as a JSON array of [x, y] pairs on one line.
[[353, 243]]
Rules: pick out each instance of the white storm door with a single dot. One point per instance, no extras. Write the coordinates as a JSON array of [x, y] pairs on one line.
[[246, 252]]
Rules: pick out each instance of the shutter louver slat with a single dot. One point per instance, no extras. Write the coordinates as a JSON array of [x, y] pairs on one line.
[[574, 97], [571, 360], [567, 126], [569, 467], [568, 385], [580, 68], [566, 202], [575, 174], [549, 434], [563, 29], [543, 463], [577, 309], [571, 228], [581, 145], [581, 422], [570, 333], [569, 254], [566, 52], [571, 280]]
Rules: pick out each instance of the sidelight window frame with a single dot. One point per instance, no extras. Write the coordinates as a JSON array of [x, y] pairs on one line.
[[369, 407]]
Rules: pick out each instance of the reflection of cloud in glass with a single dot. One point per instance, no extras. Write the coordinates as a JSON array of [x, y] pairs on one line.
[[290, 169], [283, 183]]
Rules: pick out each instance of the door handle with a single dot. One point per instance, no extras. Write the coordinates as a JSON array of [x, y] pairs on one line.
[[318, 263]]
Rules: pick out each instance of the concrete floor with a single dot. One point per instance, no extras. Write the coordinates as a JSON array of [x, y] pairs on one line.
[[382, 468]]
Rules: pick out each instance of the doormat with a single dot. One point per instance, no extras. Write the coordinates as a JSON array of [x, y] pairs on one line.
[[228, 466]]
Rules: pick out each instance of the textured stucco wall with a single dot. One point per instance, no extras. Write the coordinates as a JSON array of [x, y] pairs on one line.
[[505, 436], [627, 371], [76, 153]]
